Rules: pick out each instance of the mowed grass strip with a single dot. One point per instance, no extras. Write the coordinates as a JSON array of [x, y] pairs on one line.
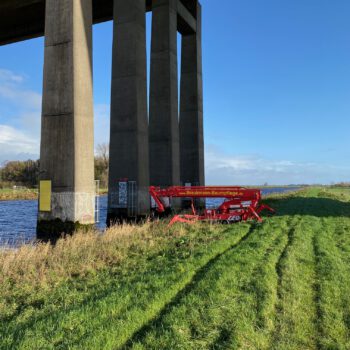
[[333, 285], [296, 311], [232, 308], [341, 239]]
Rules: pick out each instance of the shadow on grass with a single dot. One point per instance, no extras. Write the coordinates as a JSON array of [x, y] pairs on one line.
[[156, 322], [313, 206], [104, 287]]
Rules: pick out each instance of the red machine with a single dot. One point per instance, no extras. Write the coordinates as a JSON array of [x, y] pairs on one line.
[[240, 204]]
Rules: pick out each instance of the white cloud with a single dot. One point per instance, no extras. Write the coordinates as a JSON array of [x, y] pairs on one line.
[[12, 90], [234, 169], [8, 76], [19, 118], [14, 144], [23, 98]]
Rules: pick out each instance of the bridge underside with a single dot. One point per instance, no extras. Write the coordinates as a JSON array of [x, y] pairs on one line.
[[162, 147], [25, 19]]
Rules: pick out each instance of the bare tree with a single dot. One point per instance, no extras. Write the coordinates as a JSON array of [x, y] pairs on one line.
[[102, 163], [102, 152]]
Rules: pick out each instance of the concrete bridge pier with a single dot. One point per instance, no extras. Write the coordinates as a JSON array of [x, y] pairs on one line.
[[67, 145], [191, 107], [163, 119], [129, 157]]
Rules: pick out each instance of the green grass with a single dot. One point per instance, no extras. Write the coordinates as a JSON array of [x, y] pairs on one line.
[[7, 194], [282, 284]]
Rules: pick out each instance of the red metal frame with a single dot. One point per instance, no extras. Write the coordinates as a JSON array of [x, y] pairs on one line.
[[241, 204]]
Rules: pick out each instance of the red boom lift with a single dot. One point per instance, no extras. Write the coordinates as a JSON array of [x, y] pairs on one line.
[[240, 204]]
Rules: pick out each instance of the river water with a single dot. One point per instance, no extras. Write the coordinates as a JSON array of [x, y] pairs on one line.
[[18, 218]]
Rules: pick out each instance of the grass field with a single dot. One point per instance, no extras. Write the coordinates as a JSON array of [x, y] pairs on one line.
[[283, 284], [21, 194], [27, 194]]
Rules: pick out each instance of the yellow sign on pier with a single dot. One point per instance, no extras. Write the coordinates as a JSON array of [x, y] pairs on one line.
[[45, 196]]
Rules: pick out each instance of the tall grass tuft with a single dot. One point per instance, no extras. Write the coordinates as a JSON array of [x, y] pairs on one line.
[[43, 266], [12, 194]]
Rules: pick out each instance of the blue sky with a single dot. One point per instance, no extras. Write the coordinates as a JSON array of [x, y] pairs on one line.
[[276, 91]]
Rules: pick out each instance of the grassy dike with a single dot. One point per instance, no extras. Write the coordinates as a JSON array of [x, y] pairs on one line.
[[282, 284]]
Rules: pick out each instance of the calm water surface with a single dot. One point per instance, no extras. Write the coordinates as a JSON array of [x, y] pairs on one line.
[[18, 218]]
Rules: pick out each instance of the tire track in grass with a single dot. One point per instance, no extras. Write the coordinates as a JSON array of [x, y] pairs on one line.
[[261, 290], [342, 242], [111, 328], [295, 309], [249, 331], [279, 269], [317, 289], [332, 289], [267, 278], [344, 251], [126, 314], [218, 313], [256, 286], [266, 290], [263, 286], [197, 277]]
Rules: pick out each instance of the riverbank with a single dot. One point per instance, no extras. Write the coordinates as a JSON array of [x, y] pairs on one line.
[[18, 218], [18, 194], [32, 194], [10, 194], [151, 287]]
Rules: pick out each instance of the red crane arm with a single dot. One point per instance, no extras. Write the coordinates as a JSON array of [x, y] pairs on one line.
[[240, 203], [228, 192]]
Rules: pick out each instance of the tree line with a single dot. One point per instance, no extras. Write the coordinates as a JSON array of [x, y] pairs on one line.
[[26, 173]]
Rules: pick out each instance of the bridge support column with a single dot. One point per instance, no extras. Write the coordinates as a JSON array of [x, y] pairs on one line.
[[164, 125], [129, 156], [191, 108], [67, 147]]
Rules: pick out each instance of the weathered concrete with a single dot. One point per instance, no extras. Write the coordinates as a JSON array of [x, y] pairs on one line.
[[191, 107], [67, 113], [129, 120], [163, 121], [185, 16], [25, 19], [138, 153]]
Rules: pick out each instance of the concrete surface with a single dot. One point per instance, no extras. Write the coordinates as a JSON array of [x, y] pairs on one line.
[[25, 19], [191, 107], [163, 119], [129, 120], [67, 139], [141, 152]]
